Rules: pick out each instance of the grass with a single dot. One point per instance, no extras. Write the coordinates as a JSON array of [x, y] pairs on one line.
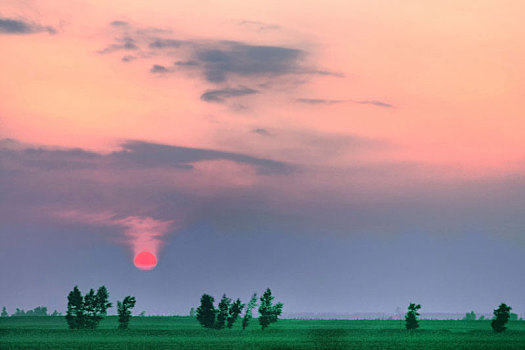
[[186, 333]]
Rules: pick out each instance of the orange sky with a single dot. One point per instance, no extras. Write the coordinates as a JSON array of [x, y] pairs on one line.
[[452, 73]]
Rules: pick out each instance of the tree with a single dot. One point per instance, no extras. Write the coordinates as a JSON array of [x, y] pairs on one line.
[[268, 313], [101, 301], [206, 311], [75, 315], [223, 312], [124, 311], [4, 312], [411, 316], [248, 314], [192, 312], [234, 312], [501, 317]]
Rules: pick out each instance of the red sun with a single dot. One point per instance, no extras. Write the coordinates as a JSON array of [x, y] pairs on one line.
[[145, 261]]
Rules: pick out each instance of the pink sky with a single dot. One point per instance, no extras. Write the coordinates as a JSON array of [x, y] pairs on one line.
[[452, 73]]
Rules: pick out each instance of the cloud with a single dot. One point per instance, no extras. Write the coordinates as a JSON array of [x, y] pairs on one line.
[[19, 26], [165, 43], [126, 43], [119, 24], [375, 103], [186, 63], [220, 95], [152, 154], [157, 68], [128, 58], [318, 101], [261, 131], [140, 233], [237, 59]]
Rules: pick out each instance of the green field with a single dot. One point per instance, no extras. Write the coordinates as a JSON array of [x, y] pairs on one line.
[[186, 333]]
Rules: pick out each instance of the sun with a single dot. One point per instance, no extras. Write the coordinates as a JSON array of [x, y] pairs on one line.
[[145, 261]]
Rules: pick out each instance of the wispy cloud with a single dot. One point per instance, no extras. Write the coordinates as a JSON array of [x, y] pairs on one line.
[[318, 101], [140, 233], [221, 95], [375, 103]]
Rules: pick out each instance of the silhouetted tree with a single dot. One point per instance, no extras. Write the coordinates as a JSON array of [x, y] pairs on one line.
[[411, 316], [75, 315], [223, 311], [206, 311], [268, 313], [501, 317], [56, 313], [4, 312], [481, 318], [124, 311], [234, 312], [248, 314], [192, 312]]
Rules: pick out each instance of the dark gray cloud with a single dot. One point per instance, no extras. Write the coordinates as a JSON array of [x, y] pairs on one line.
[[119, 24], [165, 43], [128, 58], [261, 131], [152, 154], [125, 43], [237, 59], [19, 26], [318, 101], [186, 63], [375, 103], [157, 68], [220, 95]]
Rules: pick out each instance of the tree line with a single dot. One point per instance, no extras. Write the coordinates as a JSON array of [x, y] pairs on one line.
[[501, 316], [37, 311], [228, 312]]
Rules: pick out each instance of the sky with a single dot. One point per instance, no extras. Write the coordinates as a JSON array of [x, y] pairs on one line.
[[353, 156]]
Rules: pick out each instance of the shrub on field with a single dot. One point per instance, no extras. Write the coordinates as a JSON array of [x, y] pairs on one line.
[[206, 311], [268, 313], [88, 311], [4, 312], [501, 317], [124, 311], [411, 321], [248, 314]]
